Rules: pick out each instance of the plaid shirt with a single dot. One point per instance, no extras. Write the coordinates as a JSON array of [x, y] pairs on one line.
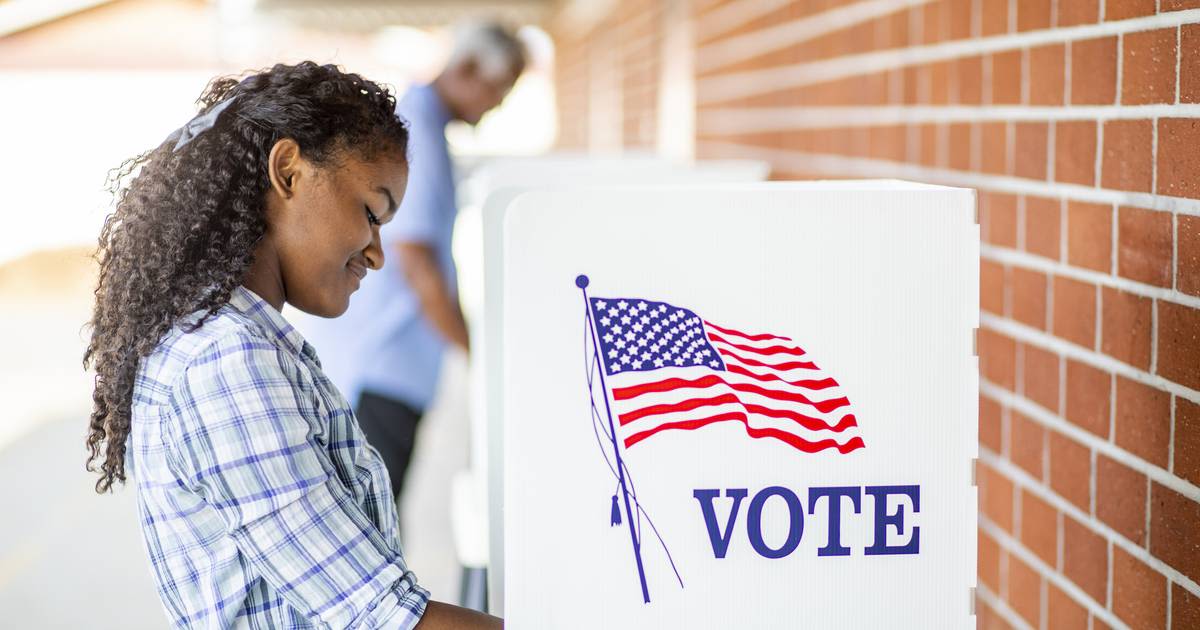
[[262, 505]]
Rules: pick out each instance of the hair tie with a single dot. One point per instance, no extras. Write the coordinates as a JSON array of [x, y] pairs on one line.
[[199, 124]]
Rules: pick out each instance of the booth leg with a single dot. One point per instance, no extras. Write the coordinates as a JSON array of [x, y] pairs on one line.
[[473, 593]]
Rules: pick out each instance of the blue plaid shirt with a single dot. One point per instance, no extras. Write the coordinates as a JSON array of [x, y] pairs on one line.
[[262, 505]]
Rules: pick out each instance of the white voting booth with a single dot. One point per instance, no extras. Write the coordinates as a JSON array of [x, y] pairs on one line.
[[747, 405], [490, 185]]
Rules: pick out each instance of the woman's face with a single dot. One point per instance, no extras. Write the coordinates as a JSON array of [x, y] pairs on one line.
[[324, 227]]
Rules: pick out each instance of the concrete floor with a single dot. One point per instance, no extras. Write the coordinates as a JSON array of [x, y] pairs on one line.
[[70, 558]]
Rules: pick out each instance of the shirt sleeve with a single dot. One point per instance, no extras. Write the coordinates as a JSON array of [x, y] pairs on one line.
[[417, 218], [247, 440]]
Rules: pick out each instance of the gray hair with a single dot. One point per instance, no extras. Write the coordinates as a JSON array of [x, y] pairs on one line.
[[496, 50]]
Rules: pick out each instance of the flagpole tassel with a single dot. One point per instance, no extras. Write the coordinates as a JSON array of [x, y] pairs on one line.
[[616, 512]]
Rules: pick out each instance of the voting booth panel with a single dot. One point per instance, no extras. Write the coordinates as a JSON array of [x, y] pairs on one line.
[[492, 183], [742, 406]]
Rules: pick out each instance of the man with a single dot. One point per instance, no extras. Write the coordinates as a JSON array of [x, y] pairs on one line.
[[385, 353]]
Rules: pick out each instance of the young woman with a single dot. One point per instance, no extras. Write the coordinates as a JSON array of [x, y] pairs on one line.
[[261, 503]]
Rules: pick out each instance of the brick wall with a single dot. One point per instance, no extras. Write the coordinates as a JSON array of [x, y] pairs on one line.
[[1079, 123]]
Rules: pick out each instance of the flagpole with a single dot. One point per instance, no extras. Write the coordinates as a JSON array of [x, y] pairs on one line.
[[582, 283]]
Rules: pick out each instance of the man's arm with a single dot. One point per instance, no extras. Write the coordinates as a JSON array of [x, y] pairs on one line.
[[439, 616], [426, 279]]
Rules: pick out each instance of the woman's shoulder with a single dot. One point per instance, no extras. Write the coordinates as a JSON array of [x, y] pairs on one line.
[[228, 334]]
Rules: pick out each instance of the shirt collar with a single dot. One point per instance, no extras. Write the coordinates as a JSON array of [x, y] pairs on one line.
[[270, 320]]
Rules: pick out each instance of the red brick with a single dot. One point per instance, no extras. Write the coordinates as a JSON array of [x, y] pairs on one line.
[[991, 286], [1178, 5], [1046, 74], [1185, 608], [995, 17], [1030, 150], [929, 145], [1089, 235], [1040, 372], [1144, 245], [989, 561], [1128, 160], [997, 358], [959, 12], [1189, 63], [1094, 71], [1177, 160], [1033, 14], [1148, 67], [988, 619], [939, 82], [960, 146], [1043, 226], [969, 78], [1125, 9], [935, 27], [1173, 522], [1139, 592], [1029, 297], [1024, 589], [1179, 343], [989, 424], [1187, 258], [1075, 311], [1078, 12], [1098, 624], [1121, 498], [1006, 77], [1088, 396], [1187, 440], [1075, 151], [1027, 440], [1070, 470], [994, 151], [1062, 612], [1126, 327], [912, 85], [1143, 421], [999, 218], [1085, 559], [996, 497], [1039, 527]]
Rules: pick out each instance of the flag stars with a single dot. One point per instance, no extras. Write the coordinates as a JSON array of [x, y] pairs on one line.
[[608, 338], [625, 359], [626, 319], [600, 305], [622, 305], [605, 320]]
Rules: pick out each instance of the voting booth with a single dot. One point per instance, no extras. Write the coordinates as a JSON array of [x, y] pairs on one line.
[[748, 406], [487, 189]]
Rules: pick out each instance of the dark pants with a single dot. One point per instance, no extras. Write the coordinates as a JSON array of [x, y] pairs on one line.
[[391, 427]]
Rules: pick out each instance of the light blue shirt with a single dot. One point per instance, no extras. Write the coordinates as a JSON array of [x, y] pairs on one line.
[[384, 343]]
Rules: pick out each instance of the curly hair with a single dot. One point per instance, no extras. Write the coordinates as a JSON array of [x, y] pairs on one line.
[[186, 220]]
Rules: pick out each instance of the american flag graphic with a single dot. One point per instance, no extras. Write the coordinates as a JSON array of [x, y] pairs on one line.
[[668, 369]]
